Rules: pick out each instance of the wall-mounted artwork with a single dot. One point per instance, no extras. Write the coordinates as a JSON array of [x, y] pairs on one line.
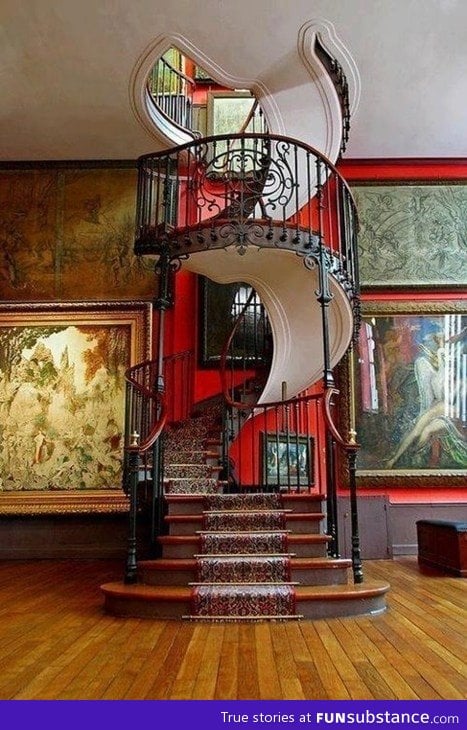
[[67, 234], [411, 394], [412, 235], [62, 389], [287, 460]]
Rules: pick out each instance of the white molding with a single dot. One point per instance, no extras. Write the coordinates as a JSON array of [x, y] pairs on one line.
[[156, 124], [327, 34], [325, 31]]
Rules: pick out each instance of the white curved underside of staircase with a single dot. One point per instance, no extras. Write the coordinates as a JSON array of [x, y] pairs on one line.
[[288, 292]]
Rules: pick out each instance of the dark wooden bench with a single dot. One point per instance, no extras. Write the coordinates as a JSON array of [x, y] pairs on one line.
[[443, 545]]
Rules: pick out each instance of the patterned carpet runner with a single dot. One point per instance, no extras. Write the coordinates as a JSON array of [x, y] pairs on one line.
[[243, 565], [225, 543], [243, 568], [243, 602], [244, 520]]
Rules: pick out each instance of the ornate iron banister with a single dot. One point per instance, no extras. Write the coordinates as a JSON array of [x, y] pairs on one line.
[[261, 190], [350, 448], [145, 409], [338, 77], [250, 359], [145, 419], [171, 91]]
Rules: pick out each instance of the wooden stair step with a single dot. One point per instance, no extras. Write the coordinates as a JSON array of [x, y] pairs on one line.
[[305, 570], [194, 503], [184, 524], [331, 601], [161, 564], [293, 538], [304, 544], [314, 602]]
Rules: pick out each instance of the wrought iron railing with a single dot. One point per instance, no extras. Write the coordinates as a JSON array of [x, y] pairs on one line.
[[258, 190], [145, 418], [339, 79], [171, 90], [178, 385]]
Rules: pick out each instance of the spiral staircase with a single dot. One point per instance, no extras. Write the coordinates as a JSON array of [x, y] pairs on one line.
[[233, 506]]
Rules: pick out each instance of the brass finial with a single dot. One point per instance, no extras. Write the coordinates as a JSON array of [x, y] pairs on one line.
[[134, 439]]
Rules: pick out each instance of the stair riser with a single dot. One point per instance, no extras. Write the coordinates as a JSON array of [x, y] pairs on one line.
[[314, 527], [316, 609], [319, 577], [307, 550], [320, 609], [195, 507]]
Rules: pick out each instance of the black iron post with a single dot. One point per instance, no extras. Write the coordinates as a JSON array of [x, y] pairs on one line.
[[356, 557], [164, 300], [131, 563], [324, 298]]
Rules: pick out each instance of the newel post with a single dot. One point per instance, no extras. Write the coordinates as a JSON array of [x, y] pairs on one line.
[[133, 468]]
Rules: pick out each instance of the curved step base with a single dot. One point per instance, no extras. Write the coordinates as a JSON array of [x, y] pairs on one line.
[[313, 602]]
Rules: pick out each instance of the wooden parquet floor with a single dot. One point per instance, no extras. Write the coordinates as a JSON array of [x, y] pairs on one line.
[[57, 643]]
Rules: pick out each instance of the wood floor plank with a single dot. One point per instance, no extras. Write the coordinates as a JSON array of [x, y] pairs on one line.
[[56, 642], [143, 647], [184, 684], [164, 679], [268, 677], [145, 680], [227, 678], [399, 686], [354, 684], [206, 678], [324, 662], [247, 675]]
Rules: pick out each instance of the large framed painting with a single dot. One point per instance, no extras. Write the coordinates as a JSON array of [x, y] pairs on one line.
[[412, 235], [410, 391], [67, 233], [62, 391]]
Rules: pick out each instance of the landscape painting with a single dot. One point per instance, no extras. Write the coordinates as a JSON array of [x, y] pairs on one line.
[[62, 387]]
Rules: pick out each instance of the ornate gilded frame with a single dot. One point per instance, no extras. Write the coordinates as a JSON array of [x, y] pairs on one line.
[[62, 379]]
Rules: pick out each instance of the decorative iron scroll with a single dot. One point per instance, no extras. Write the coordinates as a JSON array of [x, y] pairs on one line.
[[243, 190]]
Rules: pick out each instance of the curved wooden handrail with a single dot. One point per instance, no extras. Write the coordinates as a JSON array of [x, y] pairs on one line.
[[250, 116], [346, 445], [223, 374], [224, 354], [151, 395], [177, 71]]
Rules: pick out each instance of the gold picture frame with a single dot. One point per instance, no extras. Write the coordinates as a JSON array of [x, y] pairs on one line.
[[62, 391]]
